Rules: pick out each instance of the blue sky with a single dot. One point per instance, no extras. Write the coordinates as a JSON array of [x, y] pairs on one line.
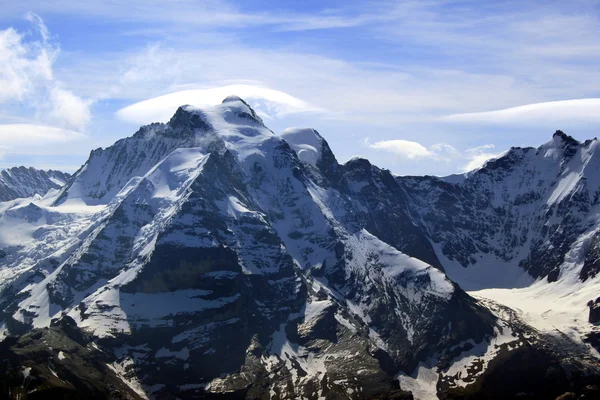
[[418, 87]]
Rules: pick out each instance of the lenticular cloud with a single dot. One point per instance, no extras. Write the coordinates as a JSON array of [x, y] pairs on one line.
[[268, 103], [578, 110]]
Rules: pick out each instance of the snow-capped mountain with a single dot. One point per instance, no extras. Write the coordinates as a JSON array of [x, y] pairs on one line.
[[209, 257], [22, 182], [527, 208]]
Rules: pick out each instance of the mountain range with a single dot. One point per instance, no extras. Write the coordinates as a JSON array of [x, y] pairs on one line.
[[23, 182], [209, 257]]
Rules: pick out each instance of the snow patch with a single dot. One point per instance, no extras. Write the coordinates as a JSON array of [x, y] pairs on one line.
[[182, 354], [422, 382], [305, 142]]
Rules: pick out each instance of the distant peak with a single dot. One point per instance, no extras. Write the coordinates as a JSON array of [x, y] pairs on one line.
[[566, 139], [561, 145]]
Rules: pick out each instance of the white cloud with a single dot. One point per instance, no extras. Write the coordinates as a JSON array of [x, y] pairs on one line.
[[579, 110], [39, 24], [403, 148], [475, 157], [478, 160], [443, 147], [266, 101], [36, 139], [413, 150], [444, 58], [445, 152], [25, 67], [350, 91], [472, 41], [480, 149], [27, 78], [478, 156], [68, 109]]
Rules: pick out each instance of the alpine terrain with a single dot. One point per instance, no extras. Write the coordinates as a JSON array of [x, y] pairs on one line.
[[23, 182], [210, 257]]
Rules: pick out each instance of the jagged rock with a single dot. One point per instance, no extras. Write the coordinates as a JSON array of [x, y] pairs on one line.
[[594, 306], [591, 264], [51, 363], [567, 396], [529, 207], [21, 182], [590, 392]]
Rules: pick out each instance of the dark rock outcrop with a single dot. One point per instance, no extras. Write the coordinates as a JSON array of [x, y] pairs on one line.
[[594, 306], [59, 362]]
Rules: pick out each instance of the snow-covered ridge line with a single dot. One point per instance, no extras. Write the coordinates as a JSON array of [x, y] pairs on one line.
[[22, 182], [210, 235]]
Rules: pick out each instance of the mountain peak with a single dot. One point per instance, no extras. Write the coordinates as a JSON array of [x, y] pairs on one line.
[[566, 139], [232, 98], [247, 113], [189, 117]]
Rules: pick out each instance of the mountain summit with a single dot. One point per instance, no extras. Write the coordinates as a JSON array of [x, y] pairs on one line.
[[209, 257]]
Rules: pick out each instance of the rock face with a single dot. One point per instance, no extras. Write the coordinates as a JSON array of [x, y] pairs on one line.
[[25, 182], [594, 317], [210, 258], [58, 362], [534, 208]]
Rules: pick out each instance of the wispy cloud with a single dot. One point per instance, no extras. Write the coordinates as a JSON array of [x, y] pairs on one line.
[[27, 77], [349, 91], [546, 47], [206, 14], [447, 57], [24, 66], [67, 109], [570, 111], [28, 84], [35, 139], [478, 156], [453, 54]]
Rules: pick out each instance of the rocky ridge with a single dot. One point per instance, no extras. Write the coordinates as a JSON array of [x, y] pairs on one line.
[[208, 257]]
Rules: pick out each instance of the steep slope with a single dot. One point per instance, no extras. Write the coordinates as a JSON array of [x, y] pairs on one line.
[[375, 201], [523, 231], [211, 236], [58, 362], [403, 214], [22, 182]]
